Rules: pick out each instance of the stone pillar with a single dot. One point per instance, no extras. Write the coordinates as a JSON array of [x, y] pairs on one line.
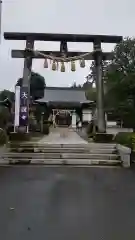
[[100, 88], [73, 119], [25, 89]]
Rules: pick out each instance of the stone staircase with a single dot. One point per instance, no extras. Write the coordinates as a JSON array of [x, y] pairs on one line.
[[67, 154]]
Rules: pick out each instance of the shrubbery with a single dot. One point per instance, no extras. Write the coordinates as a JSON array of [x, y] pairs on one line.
[[103, 137], [3, 136], [34, 127], [10, 129], [19, 136], [46, 129], [89, 129], [126, 139]]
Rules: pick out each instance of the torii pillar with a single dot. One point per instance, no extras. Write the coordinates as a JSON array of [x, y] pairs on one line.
[[25, 90], [101, 123]]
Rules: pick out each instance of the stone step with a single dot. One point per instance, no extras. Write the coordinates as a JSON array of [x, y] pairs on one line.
[[89, 156], [60, 156], [102, 151], [87, 162], [78, 146], [74, 150], [102, 145], [91, 145], [63, 150], [31, 155]]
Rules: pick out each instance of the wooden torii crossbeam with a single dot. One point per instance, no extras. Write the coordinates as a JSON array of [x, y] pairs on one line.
[[96, 55]]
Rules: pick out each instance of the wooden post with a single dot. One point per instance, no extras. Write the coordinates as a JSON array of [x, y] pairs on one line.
[[25, 89], [100, 88]]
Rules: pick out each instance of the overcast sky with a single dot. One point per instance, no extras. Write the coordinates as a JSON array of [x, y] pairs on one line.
[[115, 17]]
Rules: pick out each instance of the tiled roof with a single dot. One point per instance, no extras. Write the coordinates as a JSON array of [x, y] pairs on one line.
[[55, 94]]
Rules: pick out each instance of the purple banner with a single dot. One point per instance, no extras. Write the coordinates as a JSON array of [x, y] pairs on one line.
[[24, 107]]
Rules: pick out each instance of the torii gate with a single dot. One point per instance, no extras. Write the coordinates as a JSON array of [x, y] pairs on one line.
[[96, 55]]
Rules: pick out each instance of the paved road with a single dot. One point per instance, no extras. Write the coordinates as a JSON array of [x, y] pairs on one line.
[[66, 203]]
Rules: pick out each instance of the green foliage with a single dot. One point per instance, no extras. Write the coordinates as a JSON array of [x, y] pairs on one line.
[[19, 137], [3, 136], [7, 94], [103, 138], [120, 82], [91, 78], [38, 112], [91, 94], [89, 129], [46, 129], [88, 88], [32, 123], [74, 85], [126, 139], [9, 128], [37, 85], [5, 116]]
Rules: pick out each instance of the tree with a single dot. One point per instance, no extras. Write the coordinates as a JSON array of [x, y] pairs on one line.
[[37, 85], [91, 94], [120, 81], [90, 91], [6, 102], [74, 85], [92, 75], [7, 94], [5, 116]]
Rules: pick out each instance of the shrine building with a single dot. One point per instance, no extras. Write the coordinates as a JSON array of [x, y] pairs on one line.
[[67, 106]]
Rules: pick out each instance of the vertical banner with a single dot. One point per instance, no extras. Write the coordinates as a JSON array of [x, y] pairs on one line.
[[24, 106], [17, 106]]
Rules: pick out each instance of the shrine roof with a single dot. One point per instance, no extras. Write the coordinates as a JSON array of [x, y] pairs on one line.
[[61, 95], [62, 37]]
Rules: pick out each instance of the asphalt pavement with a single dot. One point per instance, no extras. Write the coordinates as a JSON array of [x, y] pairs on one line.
[[66, 203]]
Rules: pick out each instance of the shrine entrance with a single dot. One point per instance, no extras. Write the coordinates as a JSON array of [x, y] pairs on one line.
[[63, 118], [58, 60]]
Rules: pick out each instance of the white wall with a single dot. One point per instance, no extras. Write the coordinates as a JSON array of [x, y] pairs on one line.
[[86, 115]]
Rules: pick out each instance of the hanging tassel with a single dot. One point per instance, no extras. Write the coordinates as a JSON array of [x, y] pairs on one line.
[[45, 63], [82, 63], [54, 67], [73, 69], [62, 67]]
